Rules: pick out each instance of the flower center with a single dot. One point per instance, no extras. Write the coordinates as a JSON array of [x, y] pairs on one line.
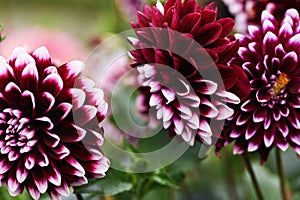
[[15, 131], [281, 82]]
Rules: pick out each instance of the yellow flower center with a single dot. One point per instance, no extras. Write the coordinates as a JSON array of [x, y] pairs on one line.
[[281, 82]]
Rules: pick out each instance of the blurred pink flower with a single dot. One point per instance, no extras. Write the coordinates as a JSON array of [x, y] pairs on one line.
[[61, 45], [130, 7]]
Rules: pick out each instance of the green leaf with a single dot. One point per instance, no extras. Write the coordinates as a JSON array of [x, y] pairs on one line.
[[1, 37], [114, 183], [162, 178]]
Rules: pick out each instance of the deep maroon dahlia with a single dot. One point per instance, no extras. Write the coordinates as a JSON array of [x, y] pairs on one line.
[[269, 116], [49, 133], [249, 11], [184, 100]]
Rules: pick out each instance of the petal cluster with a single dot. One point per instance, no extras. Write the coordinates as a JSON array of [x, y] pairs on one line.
[[176, 44], [49, 134], [269, 116], [249, 11]]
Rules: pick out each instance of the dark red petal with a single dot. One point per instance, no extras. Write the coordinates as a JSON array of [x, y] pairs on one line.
[[228, 75], [242, 85], [69, 132], [260, 115], [227, 26], [60, 112], [208, 33], [52, 174], [45, 102], [29, 78], [12, 94], [289, 63], [190, 23]]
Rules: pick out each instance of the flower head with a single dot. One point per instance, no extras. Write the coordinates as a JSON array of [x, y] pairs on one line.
[[269, 116], [189, 40], [49, 133], [249, 11]]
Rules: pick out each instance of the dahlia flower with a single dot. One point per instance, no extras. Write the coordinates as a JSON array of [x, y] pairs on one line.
[[269, 116], [249, 11], [49, 134], [182, 98]]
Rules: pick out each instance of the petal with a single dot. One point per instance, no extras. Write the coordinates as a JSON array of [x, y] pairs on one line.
[[30, 78], [40, 181], [209, 33], [283, 127], [85, 114], [260, 115], [227, 26], [12, 94], [207, 109], [52, 174], [168, 94], [205, 86], [70, 71], [251, 130], [27, 101], [84, 153], [155, 100], [263, 95], [42, 56], [61, 112], [52, 84], [69, 132], [97, 167], [60, 152], [294, 43], [51, 140], [224, 111], [270, 41], [72, 166], [21, 172], [33, 191], [78, 97], [22, 61], [289, 62], [45, 102], [269, 135]]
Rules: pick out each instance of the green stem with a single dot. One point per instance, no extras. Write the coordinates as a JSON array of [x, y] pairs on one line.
[[79, 197], [283, 187], [253, 177]]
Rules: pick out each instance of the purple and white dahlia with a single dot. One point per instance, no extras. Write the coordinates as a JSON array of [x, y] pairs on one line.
[[49, 134], [269, 116], [176, 44]]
